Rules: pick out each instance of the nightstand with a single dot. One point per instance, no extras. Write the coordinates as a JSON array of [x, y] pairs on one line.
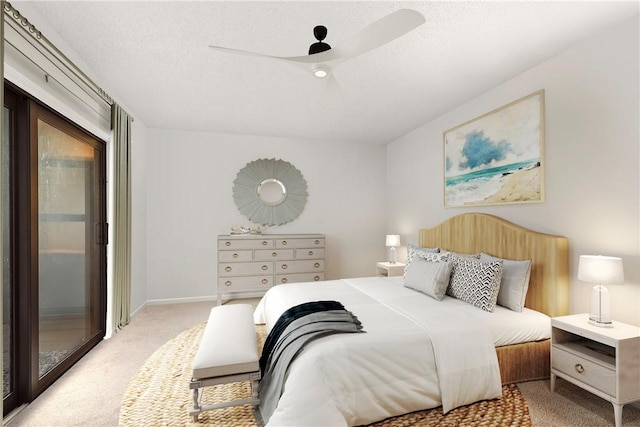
[[603, 361], [388, 269]]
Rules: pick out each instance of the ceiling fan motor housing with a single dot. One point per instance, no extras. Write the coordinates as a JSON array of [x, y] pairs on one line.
[[319, 32]]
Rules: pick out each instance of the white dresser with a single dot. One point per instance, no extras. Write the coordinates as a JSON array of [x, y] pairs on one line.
[[254, 263]]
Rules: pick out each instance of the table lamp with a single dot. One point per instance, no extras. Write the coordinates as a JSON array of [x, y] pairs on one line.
[[600, 270], [393, 241]]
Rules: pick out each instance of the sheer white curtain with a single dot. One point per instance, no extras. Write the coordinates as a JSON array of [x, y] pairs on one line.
[[121, 302]]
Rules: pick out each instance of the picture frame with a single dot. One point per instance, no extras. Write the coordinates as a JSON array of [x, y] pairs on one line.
[[498, 157]]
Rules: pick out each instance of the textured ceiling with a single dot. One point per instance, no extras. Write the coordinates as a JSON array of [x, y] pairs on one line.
[[153, 58]]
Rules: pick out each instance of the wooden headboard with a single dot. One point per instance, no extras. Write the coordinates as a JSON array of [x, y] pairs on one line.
[[475, 232]]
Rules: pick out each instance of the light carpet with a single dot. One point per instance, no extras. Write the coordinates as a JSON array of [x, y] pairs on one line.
[[159, 395]]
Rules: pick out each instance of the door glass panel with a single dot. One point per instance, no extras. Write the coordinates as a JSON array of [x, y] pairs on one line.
[[65, 236], [7, 312]]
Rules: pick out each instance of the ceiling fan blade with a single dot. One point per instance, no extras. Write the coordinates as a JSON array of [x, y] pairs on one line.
[[306, 59], [333, 86], [239, 52], [379, 33]]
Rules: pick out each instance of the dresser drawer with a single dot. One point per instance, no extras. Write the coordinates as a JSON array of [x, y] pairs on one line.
[[307, 266], [300, 243], [244, 243], [245, 269], [235, 256], [272, 254], [584, 370], [230, 284], [300, 277], [314, 253]]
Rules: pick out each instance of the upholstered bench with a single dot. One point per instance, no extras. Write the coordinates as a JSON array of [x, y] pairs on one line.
[[228, 353]]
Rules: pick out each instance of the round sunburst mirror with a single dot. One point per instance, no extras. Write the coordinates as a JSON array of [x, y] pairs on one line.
[[270, 192]]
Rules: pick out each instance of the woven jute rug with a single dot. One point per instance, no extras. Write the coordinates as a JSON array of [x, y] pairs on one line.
[[159, 395]]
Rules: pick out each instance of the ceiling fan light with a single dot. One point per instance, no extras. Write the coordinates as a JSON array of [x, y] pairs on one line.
[[320, 70]]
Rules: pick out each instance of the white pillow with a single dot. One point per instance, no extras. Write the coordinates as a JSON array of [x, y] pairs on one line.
[[429, 254], [431, 278], [476, 282], [515, 282]]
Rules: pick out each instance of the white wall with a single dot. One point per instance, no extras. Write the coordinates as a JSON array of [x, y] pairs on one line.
[[189, 203], [592, 154]]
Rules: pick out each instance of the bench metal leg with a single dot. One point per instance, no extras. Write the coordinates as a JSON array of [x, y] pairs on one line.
[[196, 404], [255, 381], [198, 385]]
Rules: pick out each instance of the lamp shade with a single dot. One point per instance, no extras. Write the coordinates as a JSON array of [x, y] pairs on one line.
[[600, 269], [393, 240]]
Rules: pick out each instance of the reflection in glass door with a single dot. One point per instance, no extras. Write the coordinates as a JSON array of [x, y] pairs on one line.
[[67, 313]]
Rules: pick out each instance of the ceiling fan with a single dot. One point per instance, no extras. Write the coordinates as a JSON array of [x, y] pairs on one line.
[[322, 58]]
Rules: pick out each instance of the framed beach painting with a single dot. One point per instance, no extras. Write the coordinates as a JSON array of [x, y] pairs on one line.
[[497, 158]]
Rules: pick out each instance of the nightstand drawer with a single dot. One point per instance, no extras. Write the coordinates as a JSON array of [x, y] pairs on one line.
[[245, 269], [267, 254], [235, 256], [586, 371]]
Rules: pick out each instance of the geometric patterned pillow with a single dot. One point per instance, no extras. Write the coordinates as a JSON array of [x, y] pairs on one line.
[[476, 282], [424, 253], [460, 255]]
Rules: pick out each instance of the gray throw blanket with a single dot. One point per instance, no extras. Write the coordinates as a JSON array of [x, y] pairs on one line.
[[290, 343]]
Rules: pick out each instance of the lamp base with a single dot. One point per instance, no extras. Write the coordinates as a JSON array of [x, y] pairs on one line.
[[600, 314], [601, 324], [393, 256]]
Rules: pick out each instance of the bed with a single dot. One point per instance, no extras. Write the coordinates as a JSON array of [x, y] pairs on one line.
[[391, 369]]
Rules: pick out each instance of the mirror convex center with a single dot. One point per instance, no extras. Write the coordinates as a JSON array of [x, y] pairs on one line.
[[272, 192]]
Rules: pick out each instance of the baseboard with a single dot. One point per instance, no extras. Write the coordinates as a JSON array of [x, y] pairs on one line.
[[137, 310]]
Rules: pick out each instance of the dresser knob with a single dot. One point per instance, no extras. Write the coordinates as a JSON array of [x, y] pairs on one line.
[[227, 269], [264, 243], [284, 243], [316, 278], [310, 253], [265, 267], [284, 280], [317, 242], [274, 254], [265, 281], [227, 283], [316, 265], [235, 255], [284, 266], [579, 368], [227, 243]]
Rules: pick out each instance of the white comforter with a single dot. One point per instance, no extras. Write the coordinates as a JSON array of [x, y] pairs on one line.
[[417, 353]]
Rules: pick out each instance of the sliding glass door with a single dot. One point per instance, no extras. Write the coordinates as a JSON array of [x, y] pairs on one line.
[[69, 242], [58, 239]]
